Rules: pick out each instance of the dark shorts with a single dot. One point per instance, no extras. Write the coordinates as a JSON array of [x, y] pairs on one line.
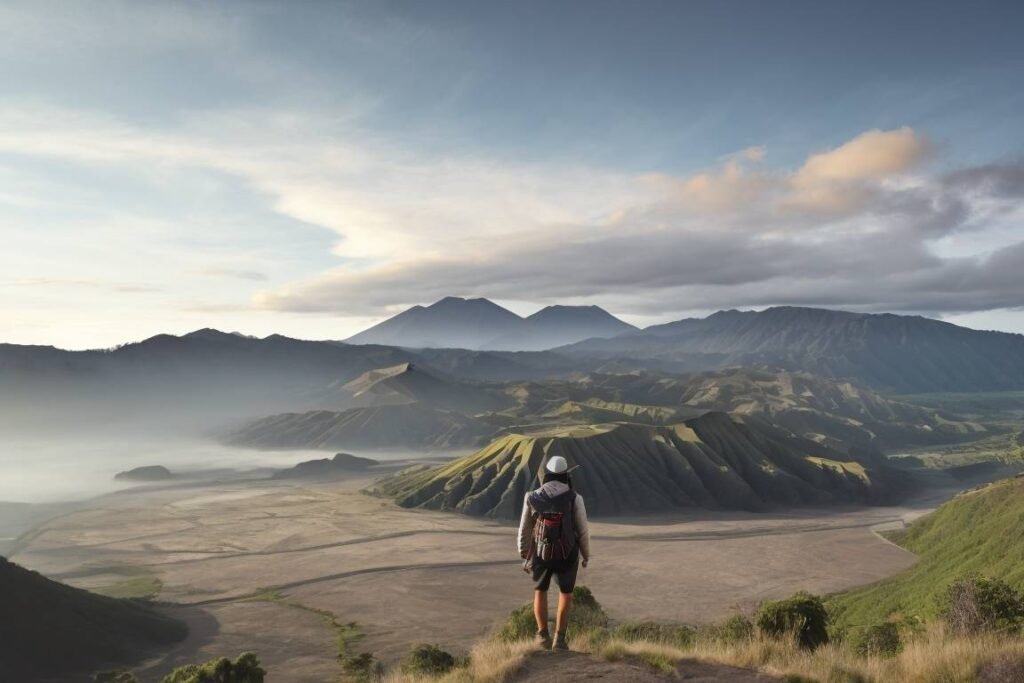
[[563, 572]]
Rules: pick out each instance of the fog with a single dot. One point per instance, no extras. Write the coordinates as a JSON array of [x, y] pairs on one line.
[[52, 470]]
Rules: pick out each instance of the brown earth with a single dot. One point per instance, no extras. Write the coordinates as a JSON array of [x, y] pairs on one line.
[[247, 563], [559, 667]]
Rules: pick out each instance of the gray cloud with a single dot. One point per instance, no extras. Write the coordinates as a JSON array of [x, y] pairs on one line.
[[878, 253]]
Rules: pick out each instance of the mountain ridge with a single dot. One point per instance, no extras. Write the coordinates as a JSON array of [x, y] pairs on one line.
[[712, 461], [907, 354], [52, 631], [480, 324]]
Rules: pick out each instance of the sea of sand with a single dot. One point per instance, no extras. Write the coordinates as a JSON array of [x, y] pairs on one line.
[[257, 564]]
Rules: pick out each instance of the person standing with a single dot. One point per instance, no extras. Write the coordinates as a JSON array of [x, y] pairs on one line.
[[553, 535]]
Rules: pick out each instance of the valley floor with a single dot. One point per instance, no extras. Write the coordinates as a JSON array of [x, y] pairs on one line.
[[282, 568]]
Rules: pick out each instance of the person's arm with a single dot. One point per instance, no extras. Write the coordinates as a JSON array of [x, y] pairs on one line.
[[525, 526], [582, 529]]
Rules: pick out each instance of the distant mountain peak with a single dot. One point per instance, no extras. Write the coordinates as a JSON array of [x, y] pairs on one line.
[[372, 377], [211, 333], [466, 303], [590, 311], [478, 323]]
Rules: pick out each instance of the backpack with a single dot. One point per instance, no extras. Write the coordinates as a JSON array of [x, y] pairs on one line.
[[554, 529]]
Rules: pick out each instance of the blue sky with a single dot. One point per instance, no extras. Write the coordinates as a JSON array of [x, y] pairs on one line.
[[310, 168]]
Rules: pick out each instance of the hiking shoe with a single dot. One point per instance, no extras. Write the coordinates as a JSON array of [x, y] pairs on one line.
[[542, 639], [560, 642]]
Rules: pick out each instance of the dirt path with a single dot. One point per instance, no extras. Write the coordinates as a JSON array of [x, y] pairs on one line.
[[558, 667]]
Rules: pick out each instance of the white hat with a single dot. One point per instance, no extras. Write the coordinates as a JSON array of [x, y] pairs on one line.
[[557, 465]]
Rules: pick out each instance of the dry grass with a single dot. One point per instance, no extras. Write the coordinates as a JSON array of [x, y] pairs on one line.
[[934, 657], [490, 661]]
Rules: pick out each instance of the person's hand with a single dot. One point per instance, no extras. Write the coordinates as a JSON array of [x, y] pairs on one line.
[[586, 562]]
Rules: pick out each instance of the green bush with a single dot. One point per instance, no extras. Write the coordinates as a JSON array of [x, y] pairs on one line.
[[427, 659], [978, 603], [585, 616], [677, 635], [734, 629], [245, 669], [362, 668], [586, 613], [802, 615], [877, 640]]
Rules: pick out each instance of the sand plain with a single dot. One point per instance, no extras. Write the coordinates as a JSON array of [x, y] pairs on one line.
[[275, 567]]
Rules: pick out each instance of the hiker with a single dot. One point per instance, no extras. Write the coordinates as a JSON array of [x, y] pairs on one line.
[[553, 534]]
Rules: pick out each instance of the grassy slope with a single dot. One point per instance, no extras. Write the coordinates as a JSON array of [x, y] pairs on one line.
[[978, 531], [652, 650], [710, 461], [50, 629]]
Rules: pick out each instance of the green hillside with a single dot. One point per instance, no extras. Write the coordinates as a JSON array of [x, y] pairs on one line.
[[840, 414], [53, 631], [978, 531], [713, 461]]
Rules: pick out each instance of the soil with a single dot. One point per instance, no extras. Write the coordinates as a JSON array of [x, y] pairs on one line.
[[560, 667], [407, 576]]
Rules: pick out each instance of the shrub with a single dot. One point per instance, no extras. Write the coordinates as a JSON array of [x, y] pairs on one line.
[[803, 615], [519, 624], [586, 616], [735, 629], [427, 659], [877, 640], [676, 635], [977, 603], [362, 667], [245, 669]]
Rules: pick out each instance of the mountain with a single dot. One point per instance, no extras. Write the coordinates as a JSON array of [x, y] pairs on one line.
[[324, 468], [409, 426], [898, 353], [560, 325], [452, 322], [979, 531], [840, 414], [53, 632], [199, 381], [713, 461], [146, 473], [481, 324], [408, 383]]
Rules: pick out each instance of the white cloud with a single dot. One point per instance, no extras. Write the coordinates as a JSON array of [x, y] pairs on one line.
[[850, 226]]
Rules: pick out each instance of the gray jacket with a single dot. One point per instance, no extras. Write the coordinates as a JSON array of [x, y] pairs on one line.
[[555, 488]]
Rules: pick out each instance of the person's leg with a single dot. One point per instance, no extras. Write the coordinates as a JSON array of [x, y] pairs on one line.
[[542, 581], [540, 609], [562, 615], [566, 584]]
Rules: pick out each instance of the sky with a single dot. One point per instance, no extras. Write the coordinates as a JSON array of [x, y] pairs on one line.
[[312, 168]]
